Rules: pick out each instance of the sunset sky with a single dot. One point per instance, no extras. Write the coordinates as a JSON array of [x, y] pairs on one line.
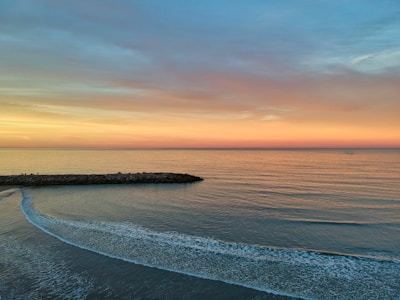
[[209, 73]]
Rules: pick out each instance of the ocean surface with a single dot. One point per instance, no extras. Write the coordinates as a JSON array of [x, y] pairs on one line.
[[264, 224]]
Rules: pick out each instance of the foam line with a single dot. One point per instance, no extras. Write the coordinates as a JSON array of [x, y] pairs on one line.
[[290, 272]]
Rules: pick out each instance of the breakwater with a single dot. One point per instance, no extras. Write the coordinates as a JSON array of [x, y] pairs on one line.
[[81, 179]]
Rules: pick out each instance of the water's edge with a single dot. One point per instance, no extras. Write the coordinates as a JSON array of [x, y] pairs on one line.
[[287, 272]]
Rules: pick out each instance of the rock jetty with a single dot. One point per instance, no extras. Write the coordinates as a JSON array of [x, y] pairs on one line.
[[80, 179]]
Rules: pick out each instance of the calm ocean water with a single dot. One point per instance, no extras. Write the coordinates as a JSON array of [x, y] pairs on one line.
[[264, 224]]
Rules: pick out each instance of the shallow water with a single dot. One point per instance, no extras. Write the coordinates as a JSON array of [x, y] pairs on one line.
[[307, 224]]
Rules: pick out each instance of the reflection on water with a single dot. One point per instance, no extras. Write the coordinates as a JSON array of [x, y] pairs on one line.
[[328, 214]]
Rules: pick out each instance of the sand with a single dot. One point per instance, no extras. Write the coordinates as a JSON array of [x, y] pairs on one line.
[[7, 187]]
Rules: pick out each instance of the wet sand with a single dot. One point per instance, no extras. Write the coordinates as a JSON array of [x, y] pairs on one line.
[[7, 187]]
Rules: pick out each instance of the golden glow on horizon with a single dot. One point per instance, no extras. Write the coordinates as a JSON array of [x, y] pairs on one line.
[[306, 114], [163, 130], [191, 75]]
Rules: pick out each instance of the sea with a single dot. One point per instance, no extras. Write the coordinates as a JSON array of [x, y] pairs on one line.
[[263, 224]]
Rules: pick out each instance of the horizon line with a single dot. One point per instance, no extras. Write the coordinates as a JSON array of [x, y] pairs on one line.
[[206, 148]]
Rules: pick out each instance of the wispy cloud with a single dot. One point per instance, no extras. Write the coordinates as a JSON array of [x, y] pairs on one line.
[[226, 66], [379, 62]]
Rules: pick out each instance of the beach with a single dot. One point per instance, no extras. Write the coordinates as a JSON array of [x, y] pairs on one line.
[[7, 187]]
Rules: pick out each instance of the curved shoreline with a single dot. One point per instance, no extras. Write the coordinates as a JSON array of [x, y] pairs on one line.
[[85, 179]]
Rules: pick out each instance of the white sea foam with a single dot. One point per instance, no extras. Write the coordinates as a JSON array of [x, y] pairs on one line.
[[28, 270], [36, 271], [291, 272]]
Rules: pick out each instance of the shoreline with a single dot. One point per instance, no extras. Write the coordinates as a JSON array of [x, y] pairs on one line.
[[8, 187], [9, 181]]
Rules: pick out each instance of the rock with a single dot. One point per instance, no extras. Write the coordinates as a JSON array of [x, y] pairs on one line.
[[79, 179]]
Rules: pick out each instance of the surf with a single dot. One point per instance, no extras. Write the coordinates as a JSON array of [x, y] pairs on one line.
[[290, 272]]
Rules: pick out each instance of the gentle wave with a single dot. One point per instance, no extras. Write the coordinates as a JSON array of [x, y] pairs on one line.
[[296, 273], [35, 268], [339, 223]]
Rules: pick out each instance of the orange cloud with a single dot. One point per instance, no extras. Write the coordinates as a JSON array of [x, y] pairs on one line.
[[235, 111]]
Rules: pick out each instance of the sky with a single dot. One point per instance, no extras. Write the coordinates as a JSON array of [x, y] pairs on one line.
[[189, 73]]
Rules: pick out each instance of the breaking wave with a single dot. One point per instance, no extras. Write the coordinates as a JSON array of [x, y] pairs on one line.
[[291, 272]]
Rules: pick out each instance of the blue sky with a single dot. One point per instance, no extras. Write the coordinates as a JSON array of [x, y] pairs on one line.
[[265, 60]]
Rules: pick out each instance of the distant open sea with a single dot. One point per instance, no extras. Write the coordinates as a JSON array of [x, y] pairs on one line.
[[264, 224]]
